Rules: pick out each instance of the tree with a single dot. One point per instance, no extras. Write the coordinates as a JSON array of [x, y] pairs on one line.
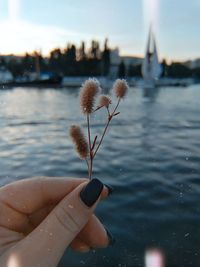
[[106, 58], [55, 61], [82, 54], [164, 68], [95, 50], [134, 70], [69, 60], [196, 73], [2, 61], [122, 70], [178, 70]]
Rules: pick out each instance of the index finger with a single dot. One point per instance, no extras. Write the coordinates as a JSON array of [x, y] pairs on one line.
[[29, 195]]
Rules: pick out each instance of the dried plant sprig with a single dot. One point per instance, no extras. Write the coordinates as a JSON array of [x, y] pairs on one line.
[[80, 141], [120, 88], [88, 93], [104, 101]]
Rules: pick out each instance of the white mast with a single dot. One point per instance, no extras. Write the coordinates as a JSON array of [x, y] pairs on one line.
[[146, 65], [151, 68], [156, 67]]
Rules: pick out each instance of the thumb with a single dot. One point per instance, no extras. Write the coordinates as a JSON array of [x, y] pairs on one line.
[[47, 243]]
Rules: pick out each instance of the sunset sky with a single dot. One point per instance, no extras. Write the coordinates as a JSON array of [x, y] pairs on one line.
[[43, 25]]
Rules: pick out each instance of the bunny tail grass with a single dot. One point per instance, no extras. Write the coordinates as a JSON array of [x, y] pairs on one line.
[[120, 88], [88, 93], [104, 101], [79, 140]]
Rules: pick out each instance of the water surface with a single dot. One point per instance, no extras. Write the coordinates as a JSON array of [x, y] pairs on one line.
[[151, 157]]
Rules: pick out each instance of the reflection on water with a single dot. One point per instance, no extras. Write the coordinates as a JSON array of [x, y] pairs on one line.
[[151, 93], [151, 157]]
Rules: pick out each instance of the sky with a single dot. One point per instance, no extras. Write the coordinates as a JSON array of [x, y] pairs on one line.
[[28, 25]]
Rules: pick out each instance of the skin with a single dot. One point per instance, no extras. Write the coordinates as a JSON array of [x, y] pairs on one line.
[[41, 217]]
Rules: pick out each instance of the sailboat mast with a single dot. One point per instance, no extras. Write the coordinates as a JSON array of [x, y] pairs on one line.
[[151, 68]]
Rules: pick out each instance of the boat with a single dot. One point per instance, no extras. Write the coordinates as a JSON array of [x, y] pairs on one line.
[[30, 79], [5, 75], [151, 68], [53, 81]]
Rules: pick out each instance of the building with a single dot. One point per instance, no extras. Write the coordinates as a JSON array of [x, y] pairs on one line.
[[193, 64], [131, 60], [116, 59], [114, 63]]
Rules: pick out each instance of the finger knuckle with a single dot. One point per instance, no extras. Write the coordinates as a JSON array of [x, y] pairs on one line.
[[67, 219]]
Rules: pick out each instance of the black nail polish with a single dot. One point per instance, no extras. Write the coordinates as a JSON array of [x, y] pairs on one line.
[[111, 238], [91, 192], [110, 189]]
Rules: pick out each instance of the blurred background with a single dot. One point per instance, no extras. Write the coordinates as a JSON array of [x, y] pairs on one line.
[[151, 153]]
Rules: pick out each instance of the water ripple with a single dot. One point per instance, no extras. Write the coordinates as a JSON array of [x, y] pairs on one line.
[[150, 156]]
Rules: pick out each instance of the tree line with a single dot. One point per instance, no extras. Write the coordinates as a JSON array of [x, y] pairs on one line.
[[79, 61], [71, 61], [174, 70]]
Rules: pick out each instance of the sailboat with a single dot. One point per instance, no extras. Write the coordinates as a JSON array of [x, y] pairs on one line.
[[151, 68]]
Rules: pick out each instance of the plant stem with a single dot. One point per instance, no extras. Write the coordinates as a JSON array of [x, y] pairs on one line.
[[89, 140], [102, 137], [106, 127], [88, 167], [116, 106], [93, 154], [108, 111]]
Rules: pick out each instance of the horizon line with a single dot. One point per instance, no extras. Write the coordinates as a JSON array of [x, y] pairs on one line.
[[139, 56]]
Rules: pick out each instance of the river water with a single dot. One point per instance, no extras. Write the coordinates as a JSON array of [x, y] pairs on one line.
[[151, 157]]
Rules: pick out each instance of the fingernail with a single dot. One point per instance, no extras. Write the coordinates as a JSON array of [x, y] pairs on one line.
[[111, 238], [91, 192], [110, 189]]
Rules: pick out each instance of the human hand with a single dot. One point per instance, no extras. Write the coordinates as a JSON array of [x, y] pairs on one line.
[[41, 217]]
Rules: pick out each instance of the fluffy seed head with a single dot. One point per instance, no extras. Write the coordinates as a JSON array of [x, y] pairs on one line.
[[104, 101], [88, 93], [120, 88], [79, 140]]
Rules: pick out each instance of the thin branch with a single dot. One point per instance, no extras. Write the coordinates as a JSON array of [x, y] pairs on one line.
[[108, 111], [97, 109], [91, 166], [94, 143], [88, 127], [86, 160], [102, 137], [116, 114], [106, 127], [116, 106], [89, 140]]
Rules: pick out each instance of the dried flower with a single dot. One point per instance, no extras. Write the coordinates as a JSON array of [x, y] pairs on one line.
[[89, 91], [88, 148], [120, 88], [79, 140], [104, 101]]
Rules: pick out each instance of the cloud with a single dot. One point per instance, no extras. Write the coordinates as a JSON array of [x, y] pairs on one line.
[[20, 36]]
